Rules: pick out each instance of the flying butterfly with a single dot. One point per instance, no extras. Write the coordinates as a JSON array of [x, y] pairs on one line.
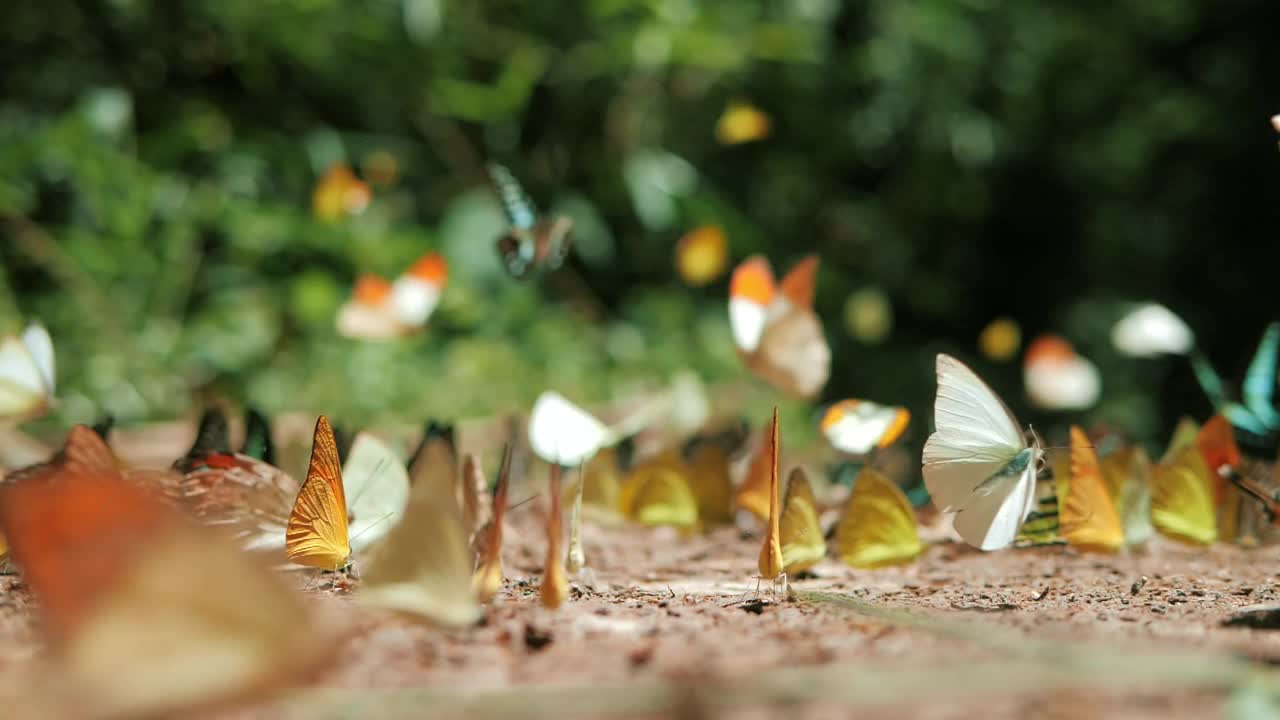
[[977, 462], [533, 243], [26, 374], [778, 335]]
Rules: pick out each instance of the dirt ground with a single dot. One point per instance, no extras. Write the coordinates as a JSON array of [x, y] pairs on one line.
[[675, 627]]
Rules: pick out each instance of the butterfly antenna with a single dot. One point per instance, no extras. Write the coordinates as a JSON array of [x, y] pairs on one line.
[[372, 525], [372, 476]]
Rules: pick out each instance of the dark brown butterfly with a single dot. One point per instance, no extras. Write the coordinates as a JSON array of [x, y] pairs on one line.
[[534, 243]]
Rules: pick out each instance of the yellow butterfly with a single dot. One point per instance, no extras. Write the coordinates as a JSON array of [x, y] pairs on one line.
[[709, 481], [1088, 518], [316, 535], [1181, 494], [770, 561], [1127, 472], [1042, 524], [601, 478], [803, 545], [879, 524], [657, 492]]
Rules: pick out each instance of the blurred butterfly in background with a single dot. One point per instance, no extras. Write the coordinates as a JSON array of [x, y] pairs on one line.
[[532, 243], [977, 462], [383, 310], [778, 335], [1256, 418], [799, 531], [859, 426], [26, 374]]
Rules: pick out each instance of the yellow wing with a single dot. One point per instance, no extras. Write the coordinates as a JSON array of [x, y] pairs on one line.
[[770, 561], [600, 478], [317, 532], [1182, 500], [753, 494], [1127, 473], [1042, 526], [708, 477], [801, 534], [1184, 434], [879, 525], [656, 492], [1088, 518]]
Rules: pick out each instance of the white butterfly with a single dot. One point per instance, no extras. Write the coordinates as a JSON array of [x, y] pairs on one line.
[[978, 463], [26, 373], [376, 484], [563, 433], [859, 426]]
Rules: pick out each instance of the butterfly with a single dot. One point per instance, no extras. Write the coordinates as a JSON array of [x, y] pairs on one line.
[[376, 485], [707, 470], [554, 588], [657, 492], [800, 533], [533, 243], [977, 462], [423, 565], [27, 372], [859, 426], [562, 433], [339, 193], [770, 562], [1042, 525], [1181, 492], [1057, 378], [1256, 417], [317, 533], [382, 310], [147, 614], [1151, 329], [777, 334], [752, 495], [602, 479], [1127, 472], [1088, 518], [487, 580], [878, 527], [257, 437]]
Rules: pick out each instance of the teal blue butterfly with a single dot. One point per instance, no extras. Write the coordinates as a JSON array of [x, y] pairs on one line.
[[533, 243], [1256, 414]]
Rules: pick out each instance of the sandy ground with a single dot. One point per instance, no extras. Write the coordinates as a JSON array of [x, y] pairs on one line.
[[674, 627]]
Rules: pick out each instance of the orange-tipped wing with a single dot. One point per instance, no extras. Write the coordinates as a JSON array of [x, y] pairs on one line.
[[317, 531], [770, 563], [799, 282], [753, 494], [1088, 519]]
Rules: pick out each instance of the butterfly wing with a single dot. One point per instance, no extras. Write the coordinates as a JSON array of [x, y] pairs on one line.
[[517, 206], [487, 580], [799, 284], [770, 560], [751, 291], [316, 535], [40, 345], [1128, 476], [1182, 499], [1088, 517], [858, 426], [563, 433], [793, 354], [22, 387], [879, 526], [711, 483], [1260, 379], [657, 493], [753, 494], [976, 436], [553, 239], [800, 533], [376, 485]]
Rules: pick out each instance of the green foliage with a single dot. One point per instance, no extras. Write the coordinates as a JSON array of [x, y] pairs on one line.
[[969, 158]]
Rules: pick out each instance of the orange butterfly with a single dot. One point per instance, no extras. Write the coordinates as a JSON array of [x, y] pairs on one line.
[[316, 535], [770, 561], [129, 590]]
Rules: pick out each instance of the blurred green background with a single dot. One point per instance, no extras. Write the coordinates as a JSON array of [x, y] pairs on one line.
[[961, 159]]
